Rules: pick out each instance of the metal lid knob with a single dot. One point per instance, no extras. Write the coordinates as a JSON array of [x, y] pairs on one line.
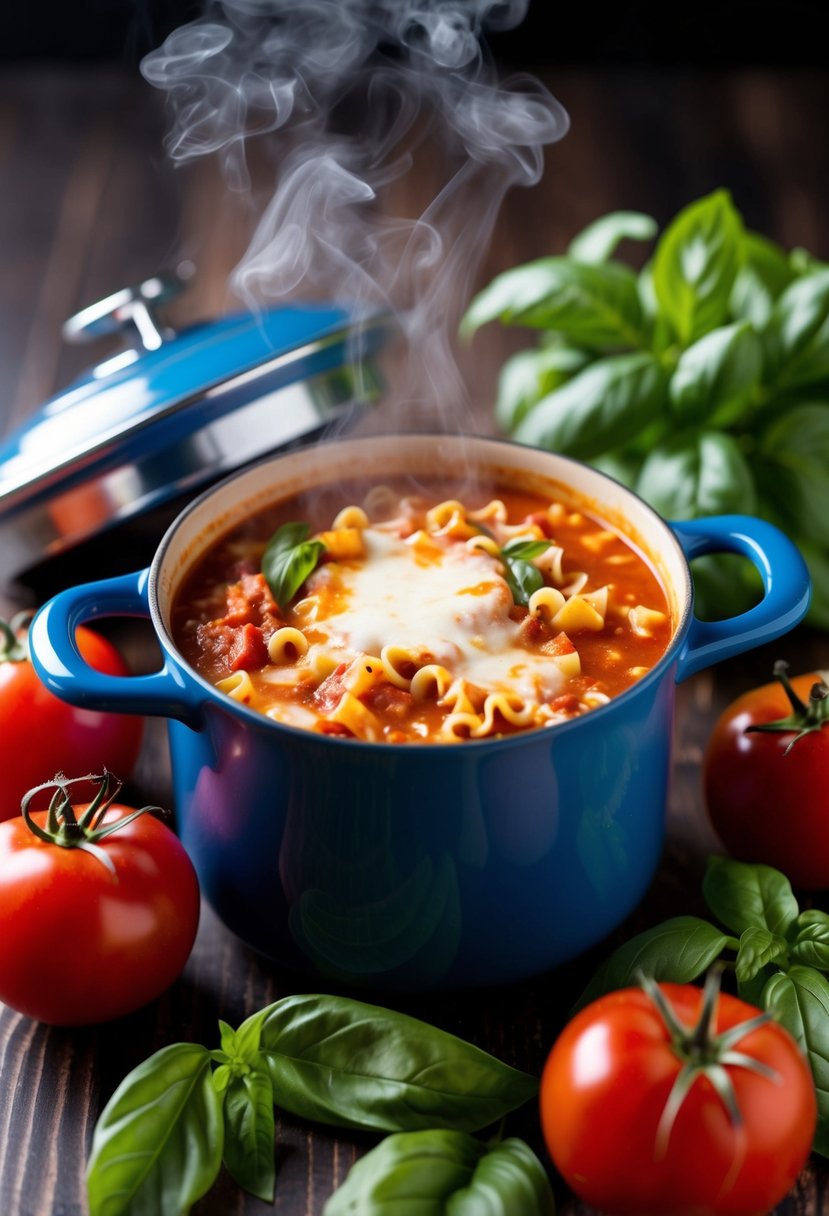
[[131, 312]]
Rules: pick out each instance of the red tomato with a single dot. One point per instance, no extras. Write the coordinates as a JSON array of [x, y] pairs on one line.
[[604, 1090], [80, 943], [767, 797], [41, 735]]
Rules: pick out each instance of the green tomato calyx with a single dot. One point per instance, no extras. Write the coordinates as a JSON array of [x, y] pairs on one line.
[[63, 827], [704, 1053], [804, 717]]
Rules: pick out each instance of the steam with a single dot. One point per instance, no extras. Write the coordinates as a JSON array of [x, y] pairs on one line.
[[352, 96]]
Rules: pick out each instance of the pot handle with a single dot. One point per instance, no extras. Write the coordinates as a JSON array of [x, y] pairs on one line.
[[60, 665], [785, 579]]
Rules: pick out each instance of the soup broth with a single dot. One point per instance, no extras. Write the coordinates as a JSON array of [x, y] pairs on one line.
[[424, 618]]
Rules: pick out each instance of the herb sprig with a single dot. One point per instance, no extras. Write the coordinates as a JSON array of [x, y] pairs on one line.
[[171, 1123], [702, 382]]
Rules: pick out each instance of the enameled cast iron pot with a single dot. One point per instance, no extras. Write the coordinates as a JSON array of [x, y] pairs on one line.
[[441, 865]]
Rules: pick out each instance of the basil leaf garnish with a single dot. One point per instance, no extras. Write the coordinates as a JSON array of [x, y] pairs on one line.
[[678, 951], [427, 1173], [157, 1146], [520, 575], [355, 1065], [746, 896], [799, 1001], [288, 560], [249, 1133]]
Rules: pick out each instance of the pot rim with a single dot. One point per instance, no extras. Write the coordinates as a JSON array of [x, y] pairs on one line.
[[523, 737]]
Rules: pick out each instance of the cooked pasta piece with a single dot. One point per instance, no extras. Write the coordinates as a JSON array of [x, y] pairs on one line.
[[546, 603], [239, 686], [399, 665], [578, 614], [350, 517], [343, 543], [511, 708], [356, 717], [646, 622], [483, 544], [287, 645], [431, 681]]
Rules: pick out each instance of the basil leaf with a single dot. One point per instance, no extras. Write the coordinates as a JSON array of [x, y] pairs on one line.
[[521, 547], [520, 575], [444, 1173], [701, 473], [799, 1001], [621, 466], [530, 375], [695, 265], [765, 273], [818, 563], [599, 240], [796, 446], [758, 948], [752, 990], [811, 945], [601, 408], [594, 306], [522, 578], [157, 1146], [716, 377], [678, 950], [249, 1133], [803, 262], [746, 896], [798, 332], [341, 1061], [288, 560], [724, 585]]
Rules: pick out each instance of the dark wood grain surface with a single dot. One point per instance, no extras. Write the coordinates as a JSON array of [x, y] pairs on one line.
[[88, 203]]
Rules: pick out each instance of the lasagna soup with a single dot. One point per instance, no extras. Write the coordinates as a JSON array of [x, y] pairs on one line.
[[402, 618]]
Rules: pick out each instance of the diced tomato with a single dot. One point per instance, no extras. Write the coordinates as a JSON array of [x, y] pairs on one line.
[[249, 602], [328, 695], [534, 631], [248, 650], [390, 700], [560, 644], [335, 728], [567, 703]]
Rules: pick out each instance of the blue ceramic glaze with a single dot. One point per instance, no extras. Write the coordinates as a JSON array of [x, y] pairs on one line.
[[418, 867]]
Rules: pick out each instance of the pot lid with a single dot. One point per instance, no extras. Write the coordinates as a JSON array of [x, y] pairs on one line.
[[174, 410]]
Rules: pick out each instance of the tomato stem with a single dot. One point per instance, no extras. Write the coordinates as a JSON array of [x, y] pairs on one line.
[[64, 829], [702, 1052], [804, 718]]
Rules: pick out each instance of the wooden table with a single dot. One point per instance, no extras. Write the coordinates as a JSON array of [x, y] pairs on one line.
[[89, 203]]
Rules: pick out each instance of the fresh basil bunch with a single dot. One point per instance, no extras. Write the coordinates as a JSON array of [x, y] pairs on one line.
[[162, 1137], [701, 382], [781, 963]]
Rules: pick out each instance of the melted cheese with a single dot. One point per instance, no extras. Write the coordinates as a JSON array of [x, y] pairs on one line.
[[454, 609]]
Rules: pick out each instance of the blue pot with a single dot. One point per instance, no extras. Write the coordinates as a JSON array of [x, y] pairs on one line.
[[442, 865]]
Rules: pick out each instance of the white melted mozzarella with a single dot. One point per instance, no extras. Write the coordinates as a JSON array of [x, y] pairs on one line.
[[455, 608]]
